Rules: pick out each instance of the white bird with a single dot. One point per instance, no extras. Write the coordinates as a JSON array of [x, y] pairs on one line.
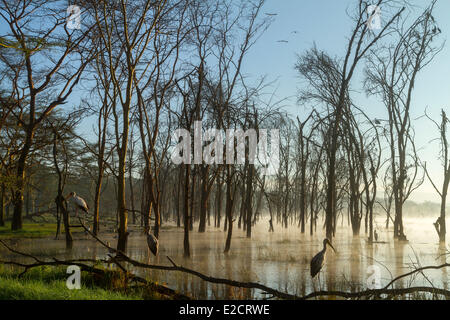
[[110, 249], [79, 203], [152, 241]]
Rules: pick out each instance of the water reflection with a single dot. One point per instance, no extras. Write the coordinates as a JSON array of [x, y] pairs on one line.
[[279, 260]]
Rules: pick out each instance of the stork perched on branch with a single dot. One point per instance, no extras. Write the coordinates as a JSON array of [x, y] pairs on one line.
[[79, 203]]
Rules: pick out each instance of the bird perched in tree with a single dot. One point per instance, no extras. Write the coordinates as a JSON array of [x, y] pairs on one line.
[[375, 233], [317, 261], [152, 241], [79, 203]]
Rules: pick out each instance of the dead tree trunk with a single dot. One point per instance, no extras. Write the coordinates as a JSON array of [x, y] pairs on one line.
[[440, 222], [60, 200], [2, 205], [187, 250]]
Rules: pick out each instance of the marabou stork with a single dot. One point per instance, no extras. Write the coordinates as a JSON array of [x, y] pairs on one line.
[[79, 203], [318, 260], [152, 241]]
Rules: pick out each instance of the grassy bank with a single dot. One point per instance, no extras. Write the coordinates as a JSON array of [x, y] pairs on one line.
[[32, 230], [48, 283], [42, 230]]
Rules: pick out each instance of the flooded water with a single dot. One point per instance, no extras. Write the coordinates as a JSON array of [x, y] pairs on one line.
[[279, 260]]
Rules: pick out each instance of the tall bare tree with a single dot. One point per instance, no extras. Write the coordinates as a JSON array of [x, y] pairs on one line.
[[391, 74], [329, 80], [125, 30], [445, 158]]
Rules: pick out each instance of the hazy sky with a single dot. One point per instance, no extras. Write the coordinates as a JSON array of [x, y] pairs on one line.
[[326, 23]]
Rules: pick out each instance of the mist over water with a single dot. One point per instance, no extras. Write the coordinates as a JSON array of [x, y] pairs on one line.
[[279, 260]]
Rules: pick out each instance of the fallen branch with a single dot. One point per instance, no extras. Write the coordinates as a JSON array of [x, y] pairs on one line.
[[283, 295], [416, 271], [175, 267], [120, 256], [84, 267], [376, 293]]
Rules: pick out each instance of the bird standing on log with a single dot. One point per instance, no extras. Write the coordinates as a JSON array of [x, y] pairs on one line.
[[79, 203], [318, 261]]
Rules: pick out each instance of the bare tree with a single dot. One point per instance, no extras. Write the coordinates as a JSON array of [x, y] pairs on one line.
[[443, 139], [61, 132], [329, 81], [125, 30], [304, 153], [391, 74]]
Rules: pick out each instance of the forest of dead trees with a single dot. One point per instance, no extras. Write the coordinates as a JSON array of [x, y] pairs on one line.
[[93, 110]]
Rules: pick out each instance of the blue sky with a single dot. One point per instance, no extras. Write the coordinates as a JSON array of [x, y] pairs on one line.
[[325, 22]]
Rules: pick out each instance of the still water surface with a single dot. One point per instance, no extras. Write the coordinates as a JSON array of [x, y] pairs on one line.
[[279, 260]]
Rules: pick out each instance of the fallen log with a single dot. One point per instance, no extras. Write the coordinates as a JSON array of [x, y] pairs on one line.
[[85, 267], [283, 295]]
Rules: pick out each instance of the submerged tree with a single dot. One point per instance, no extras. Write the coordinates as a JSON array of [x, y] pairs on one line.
[[125, 30], [391, 74], [445, 158], [329, 83]]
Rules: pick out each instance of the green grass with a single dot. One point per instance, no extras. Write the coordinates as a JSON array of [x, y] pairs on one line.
[[46, 283], [32, 230]]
